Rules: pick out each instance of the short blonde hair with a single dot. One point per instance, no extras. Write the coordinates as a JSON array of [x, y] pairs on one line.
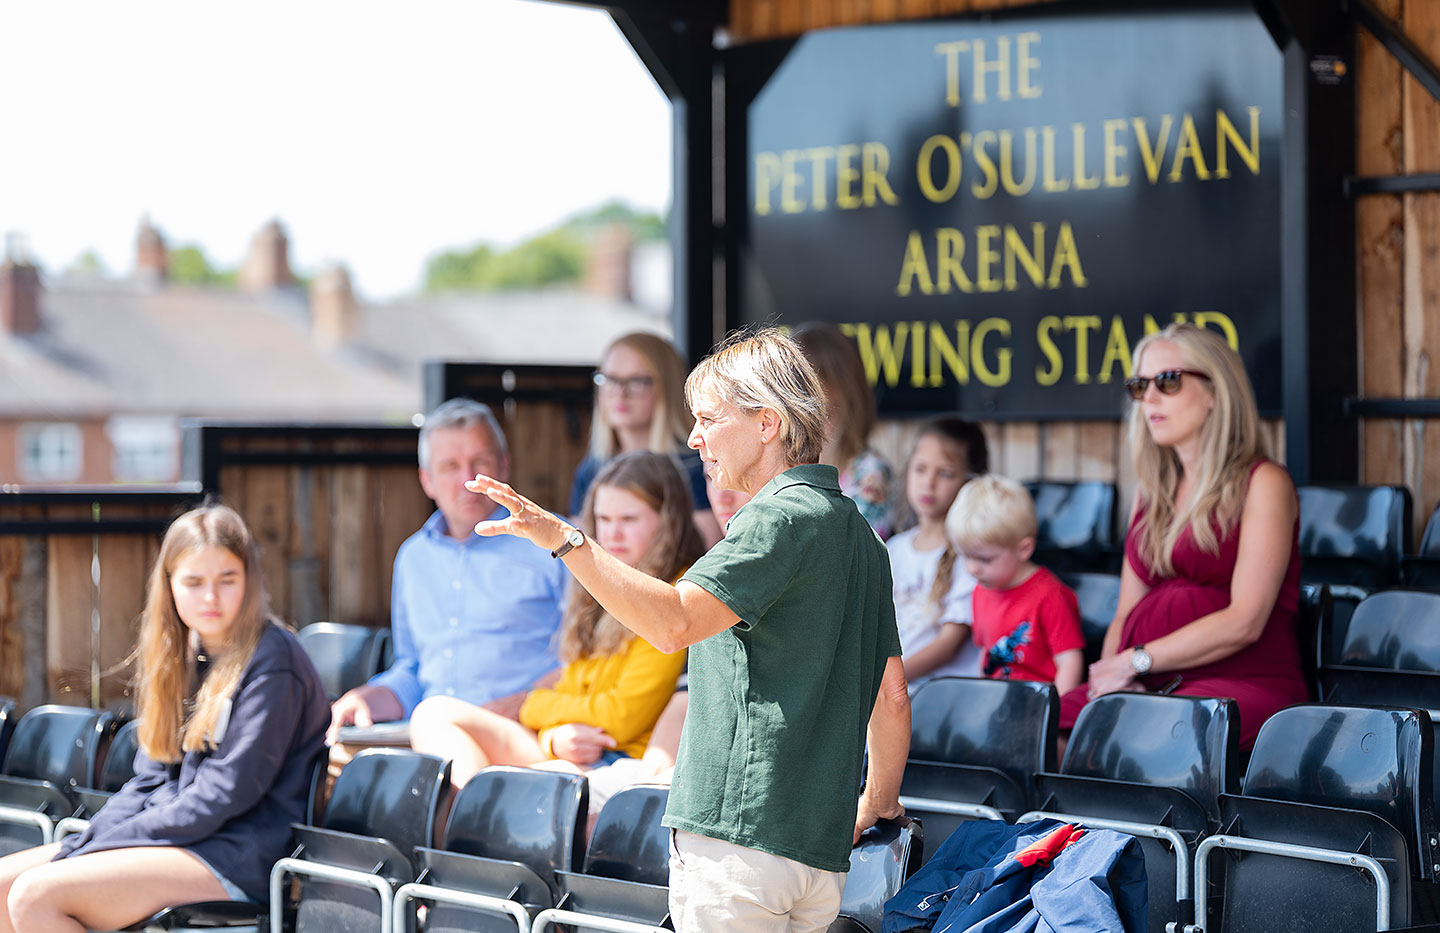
[[991, 510], [764, 368]]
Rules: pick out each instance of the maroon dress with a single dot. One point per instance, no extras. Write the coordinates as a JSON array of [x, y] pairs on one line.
[[1262, 678]]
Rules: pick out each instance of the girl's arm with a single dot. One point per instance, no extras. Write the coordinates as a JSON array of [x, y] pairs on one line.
[[1267, 527], [128, 801], [947, 643], [265, 714]]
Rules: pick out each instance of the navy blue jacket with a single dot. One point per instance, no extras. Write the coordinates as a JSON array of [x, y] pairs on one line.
[[979, 882], [232, 807]]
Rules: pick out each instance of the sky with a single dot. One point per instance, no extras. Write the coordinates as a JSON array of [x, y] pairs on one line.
[[378, 132]]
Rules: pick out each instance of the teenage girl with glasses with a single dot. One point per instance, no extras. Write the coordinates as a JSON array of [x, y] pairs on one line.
[[1209, 593], [640, 405]]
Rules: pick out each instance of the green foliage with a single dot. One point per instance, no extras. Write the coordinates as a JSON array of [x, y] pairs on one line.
[[189, 266], [645, 226], [88, 265], [552, 258], [555, 257]]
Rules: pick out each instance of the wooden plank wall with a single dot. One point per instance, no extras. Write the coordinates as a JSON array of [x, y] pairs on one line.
[[328, 521], [1398, 257], [770, 19], [52, 586]]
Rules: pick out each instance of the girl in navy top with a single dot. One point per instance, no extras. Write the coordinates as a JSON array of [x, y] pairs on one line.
[[232, 716]]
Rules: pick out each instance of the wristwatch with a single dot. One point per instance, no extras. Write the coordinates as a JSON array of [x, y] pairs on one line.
[[573, 539], [1140, 660]]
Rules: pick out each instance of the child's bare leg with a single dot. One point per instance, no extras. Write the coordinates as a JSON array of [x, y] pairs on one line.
[[471, 736]]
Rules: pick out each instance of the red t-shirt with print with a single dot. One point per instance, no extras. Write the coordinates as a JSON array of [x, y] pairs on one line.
[[1020, 630]]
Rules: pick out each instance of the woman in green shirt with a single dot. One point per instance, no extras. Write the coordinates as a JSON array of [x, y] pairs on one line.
[[795, 659]]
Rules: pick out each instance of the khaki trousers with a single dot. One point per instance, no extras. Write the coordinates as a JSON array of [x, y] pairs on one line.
[[719, 886]]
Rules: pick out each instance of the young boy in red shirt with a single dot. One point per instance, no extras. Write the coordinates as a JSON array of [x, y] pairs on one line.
[[1026, 622]]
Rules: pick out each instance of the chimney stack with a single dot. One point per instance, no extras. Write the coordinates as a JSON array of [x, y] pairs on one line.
[[152, 257], [268, 265], [607, 269], [19, 290], [334, 313]]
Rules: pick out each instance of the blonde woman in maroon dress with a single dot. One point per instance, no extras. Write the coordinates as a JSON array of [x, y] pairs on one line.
[[1210, 587]]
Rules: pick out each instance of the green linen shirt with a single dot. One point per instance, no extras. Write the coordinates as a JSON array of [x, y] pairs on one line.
[[770, 756]]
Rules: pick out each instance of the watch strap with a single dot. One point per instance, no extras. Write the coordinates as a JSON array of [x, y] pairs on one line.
[[569, 544]]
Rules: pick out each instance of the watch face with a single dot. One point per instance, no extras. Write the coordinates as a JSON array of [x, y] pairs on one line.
[[576, 538]]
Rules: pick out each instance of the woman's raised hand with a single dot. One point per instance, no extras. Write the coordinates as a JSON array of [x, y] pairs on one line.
[[526, 520]]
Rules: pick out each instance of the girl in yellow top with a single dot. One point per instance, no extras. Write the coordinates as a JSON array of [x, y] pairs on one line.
[[614, 685]]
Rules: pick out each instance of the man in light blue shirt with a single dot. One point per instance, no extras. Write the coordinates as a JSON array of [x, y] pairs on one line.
[[471, 617]]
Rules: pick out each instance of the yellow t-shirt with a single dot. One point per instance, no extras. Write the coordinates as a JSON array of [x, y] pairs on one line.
[[622, 693]]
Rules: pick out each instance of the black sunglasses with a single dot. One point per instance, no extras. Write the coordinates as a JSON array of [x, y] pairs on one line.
[[1167, 382]]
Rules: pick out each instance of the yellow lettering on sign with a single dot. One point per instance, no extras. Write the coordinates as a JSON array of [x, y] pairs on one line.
[[999, 375], [914, 270], [1152, 153], [1188, 148], [880, 354], [1007, 163], [941, 193], [1056, 364], [953, 356], [1117, 349], [1225, 132]]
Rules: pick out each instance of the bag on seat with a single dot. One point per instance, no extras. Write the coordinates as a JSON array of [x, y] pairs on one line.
[[1038, 876]]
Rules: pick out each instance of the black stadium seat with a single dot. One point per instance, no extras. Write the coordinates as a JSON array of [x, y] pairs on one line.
[[1153, 766], [118, 768], [52, 752], [1076, 524], [384, 804], [1329, 790], [1353, 535], [974, 744], [627, 867], [1423, 569], [1099, 596], [1390, 657], [344, 655], [885, 857], [510, 830]]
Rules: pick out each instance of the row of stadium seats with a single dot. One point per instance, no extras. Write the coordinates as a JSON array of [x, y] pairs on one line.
[[513, 857], [1351, 786]]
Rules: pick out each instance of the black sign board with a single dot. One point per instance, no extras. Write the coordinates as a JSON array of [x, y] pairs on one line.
[[997, 210]]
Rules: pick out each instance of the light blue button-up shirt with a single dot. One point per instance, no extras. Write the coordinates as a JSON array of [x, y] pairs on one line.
[[472, 619]]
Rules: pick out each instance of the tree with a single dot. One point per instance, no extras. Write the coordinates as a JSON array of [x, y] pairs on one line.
[[555, 257], [189, 266], [88, 265]]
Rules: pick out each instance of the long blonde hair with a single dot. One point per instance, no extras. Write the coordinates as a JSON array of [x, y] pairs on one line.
[[969, 438], [166, 658], [1230, 444], [587, 629], [847, 390], [670, 423]]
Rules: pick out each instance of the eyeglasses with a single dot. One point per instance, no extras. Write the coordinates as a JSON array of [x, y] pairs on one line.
[[633, 385], [1167, 382]]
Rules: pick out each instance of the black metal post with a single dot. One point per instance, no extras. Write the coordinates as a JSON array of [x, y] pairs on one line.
[[1319, 360], [677, 46]]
